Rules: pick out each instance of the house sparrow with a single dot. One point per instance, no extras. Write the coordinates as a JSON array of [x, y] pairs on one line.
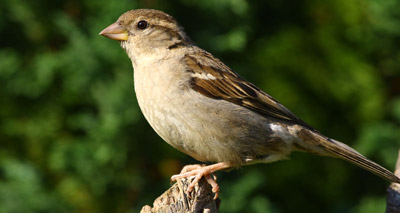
[[201, 107]]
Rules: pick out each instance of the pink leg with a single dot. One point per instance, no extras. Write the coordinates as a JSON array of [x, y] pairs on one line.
[[202, 171]]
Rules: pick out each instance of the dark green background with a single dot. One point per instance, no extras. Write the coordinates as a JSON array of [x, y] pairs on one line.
[[72, 138]]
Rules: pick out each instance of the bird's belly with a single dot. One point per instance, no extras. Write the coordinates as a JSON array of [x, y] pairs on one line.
[[215, 130]]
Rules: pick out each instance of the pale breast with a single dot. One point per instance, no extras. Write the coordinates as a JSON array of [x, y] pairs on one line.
[[158, 87]]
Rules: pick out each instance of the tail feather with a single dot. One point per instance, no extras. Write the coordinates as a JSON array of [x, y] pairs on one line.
[[337, 149]]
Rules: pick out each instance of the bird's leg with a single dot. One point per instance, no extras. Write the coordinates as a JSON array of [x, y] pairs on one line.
[[202, 171]]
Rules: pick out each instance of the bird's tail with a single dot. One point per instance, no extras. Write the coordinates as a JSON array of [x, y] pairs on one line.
[[338, 149]]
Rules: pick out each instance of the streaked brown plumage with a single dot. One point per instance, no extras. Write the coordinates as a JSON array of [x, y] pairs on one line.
[[201, 107]]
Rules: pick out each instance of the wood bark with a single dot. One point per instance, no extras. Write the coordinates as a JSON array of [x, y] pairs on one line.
[[176, 199]]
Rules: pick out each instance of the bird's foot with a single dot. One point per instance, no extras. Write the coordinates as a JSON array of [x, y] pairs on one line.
[[202, 171]]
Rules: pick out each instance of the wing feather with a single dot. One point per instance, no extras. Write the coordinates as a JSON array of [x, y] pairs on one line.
[[214, 79]]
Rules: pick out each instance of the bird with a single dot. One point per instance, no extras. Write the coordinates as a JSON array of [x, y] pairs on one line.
[[201, 107]]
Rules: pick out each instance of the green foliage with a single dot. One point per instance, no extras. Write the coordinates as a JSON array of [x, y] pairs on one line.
[[73, 138], [371, 205]]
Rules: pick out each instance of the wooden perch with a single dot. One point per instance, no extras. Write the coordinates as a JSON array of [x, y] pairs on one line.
[[393, 198], [175, 199]]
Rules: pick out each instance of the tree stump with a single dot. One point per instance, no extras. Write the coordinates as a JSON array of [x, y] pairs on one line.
[[175, 199]]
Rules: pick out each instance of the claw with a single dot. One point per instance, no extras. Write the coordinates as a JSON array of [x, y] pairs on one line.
[[202, 171]]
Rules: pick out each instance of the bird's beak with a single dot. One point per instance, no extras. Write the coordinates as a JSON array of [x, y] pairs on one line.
[[115, 32]]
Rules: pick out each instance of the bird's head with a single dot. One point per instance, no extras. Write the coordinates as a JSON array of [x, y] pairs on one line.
[[146, 31]]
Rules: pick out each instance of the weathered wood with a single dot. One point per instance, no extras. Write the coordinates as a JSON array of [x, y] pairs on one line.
[[175, 199], [393, 198]]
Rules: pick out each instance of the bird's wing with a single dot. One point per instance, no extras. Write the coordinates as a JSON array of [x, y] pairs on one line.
[[214, 79]]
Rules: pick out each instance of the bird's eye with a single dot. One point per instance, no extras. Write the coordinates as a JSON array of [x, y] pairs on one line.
[[142, 24]]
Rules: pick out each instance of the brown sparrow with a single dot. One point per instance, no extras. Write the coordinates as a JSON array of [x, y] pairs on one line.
[[201, 107]]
